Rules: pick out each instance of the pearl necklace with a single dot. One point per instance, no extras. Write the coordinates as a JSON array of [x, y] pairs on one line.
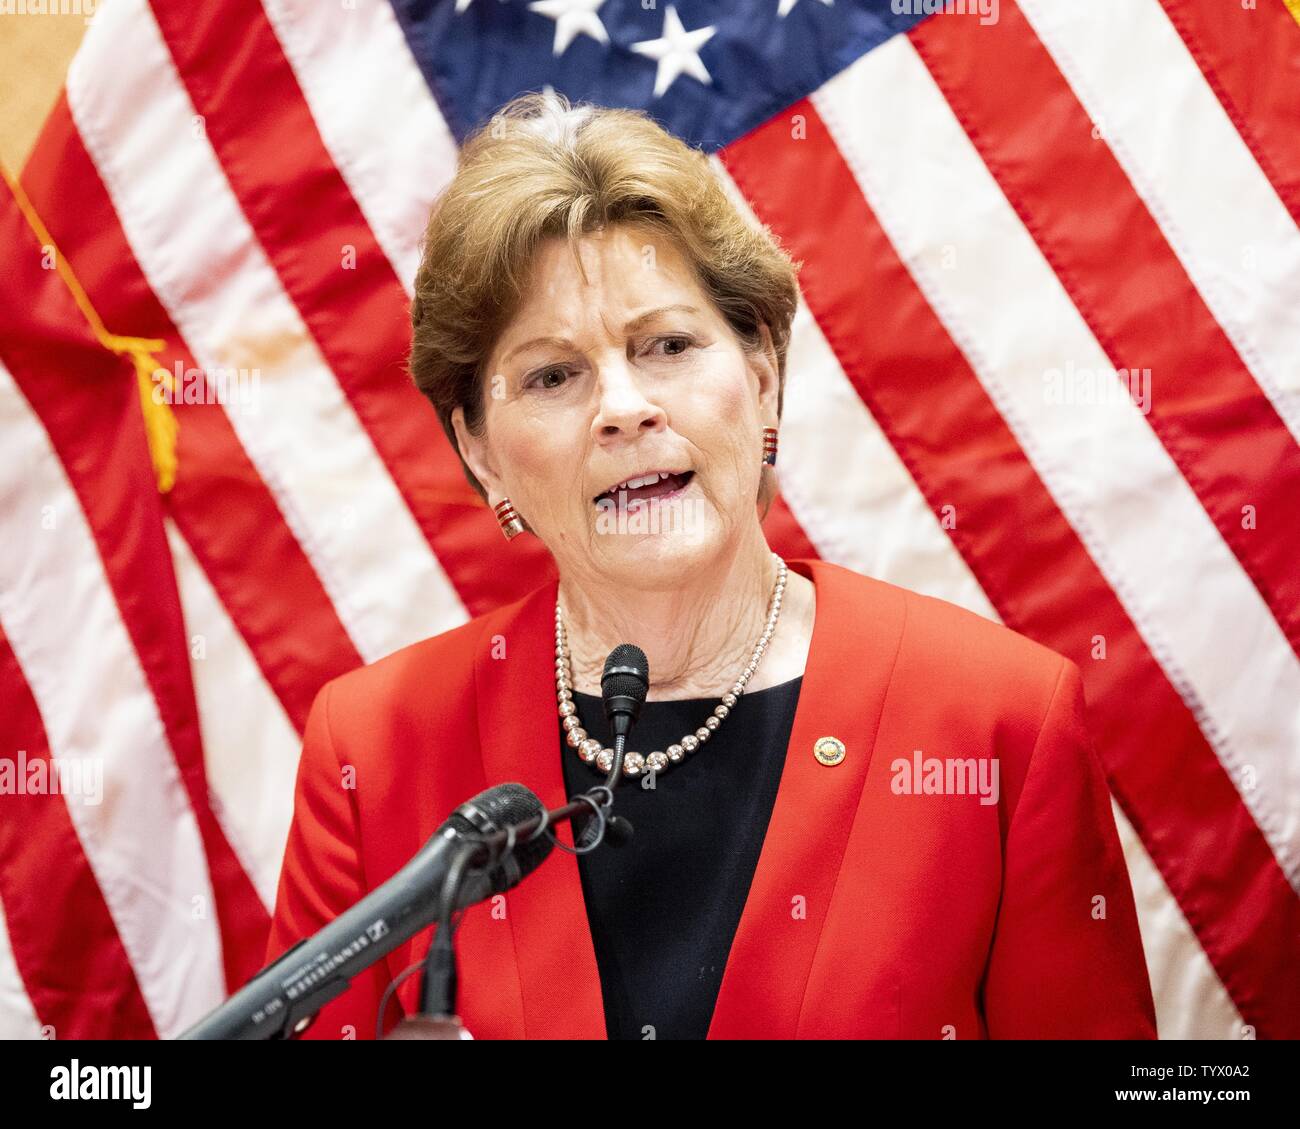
[[591, 750]]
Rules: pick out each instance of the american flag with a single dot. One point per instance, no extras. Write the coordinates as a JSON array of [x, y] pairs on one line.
[[1046, 366]]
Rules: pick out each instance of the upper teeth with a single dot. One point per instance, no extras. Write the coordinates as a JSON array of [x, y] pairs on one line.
[[644, 480]]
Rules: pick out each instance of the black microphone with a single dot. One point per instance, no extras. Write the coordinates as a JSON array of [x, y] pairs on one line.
[[623, 687], [298, 984]]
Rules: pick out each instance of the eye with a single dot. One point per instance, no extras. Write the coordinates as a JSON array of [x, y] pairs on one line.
[[680, 340], [539, 378]]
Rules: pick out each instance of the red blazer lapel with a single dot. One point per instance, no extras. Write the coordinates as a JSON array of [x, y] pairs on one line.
[[856, 635], [559, 981]]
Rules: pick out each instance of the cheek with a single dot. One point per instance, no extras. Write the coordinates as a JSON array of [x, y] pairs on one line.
[[732, 415], [735, 395], [721, 401], [545, 459]]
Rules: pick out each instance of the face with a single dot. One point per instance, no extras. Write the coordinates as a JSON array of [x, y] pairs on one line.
[[610, 377]]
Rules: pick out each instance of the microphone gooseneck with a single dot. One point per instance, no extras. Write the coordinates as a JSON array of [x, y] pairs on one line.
[[623, 689]]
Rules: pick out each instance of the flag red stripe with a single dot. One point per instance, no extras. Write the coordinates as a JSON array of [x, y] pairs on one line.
[[1251, 59], [88, 401], [305, 216], [1219, 428], [259, 571], [1030, 562], [80, 981]]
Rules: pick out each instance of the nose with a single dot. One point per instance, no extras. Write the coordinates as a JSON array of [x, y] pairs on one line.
[[623, 410]]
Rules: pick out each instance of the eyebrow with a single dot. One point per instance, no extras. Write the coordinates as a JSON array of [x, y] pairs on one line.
[[631, 327]]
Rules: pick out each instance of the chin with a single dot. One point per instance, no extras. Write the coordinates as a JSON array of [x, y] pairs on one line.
[[656, 561]]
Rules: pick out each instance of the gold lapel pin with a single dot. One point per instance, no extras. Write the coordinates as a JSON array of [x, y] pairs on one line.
[[829, 750]]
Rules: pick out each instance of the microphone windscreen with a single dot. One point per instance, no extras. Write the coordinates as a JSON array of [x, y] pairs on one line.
[[506, 805], [627, 673], [496, 809]]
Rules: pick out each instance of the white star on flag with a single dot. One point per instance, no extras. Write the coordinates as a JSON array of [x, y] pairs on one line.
[[572, 18], [677, 51], [787, 6]]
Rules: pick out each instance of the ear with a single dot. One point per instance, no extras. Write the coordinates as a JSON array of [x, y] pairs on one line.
[[765, 367], [477, 453]]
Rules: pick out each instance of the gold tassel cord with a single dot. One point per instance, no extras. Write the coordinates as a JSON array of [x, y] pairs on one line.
[[160, 426], [154, 382]]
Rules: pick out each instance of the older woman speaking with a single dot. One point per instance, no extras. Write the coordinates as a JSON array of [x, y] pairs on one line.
[[858, 811]]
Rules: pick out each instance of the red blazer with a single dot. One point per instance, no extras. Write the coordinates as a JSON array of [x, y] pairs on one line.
[[874, 912]]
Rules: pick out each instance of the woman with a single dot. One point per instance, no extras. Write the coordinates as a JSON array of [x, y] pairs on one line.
[[873, 813]]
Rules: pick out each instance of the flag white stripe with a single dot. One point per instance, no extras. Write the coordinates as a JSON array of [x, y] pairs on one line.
[[375, 114], [186, 229], [250, 747], [1191, 1001], [1106, 469], [18, 1019], [849, 489], [141, 839], [1133, 74], [843, 480]]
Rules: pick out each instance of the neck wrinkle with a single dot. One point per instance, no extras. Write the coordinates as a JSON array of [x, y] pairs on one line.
[[729, 612]]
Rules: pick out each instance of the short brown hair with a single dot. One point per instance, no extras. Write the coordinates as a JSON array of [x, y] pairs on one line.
[[541, 168]]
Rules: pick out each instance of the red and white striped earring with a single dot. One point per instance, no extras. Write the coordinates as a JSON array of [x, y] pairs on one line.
[[769, 446], [511, 523]]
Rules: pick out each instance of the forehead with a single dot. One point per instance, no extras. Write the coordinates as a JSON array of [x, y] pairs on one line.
[[623, 270]]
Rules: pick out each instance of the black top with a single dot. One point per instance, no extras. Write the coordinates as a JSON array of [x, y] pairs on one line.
[[663, 909]]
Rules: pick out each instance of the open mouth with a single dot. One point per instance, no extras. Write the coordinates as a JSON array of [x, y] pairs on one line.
[[644, 488]]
